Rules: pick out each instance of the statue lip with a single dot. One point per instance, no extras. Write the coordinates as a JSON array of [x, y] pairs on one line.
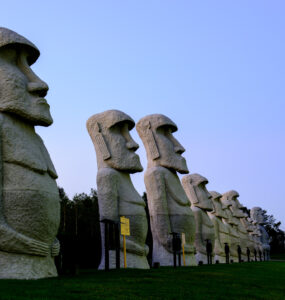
[[42, 101]]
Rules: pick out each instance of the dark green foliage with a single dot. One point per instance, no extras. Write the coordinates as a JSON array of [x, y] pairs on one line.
[[261, 280], [277, 235], [79, 232]]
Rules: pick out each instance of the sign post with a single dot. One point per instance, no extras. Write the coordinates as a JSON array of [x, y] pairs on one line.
[[125, 230], [183, 243]]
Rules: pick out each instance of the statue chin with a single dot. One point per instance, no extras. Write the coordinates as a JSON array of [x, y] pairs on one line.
[[131, 165], [175, 165]]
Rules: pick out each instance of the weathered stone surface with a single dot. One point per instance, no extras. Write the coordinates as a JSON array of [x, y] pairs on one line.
[[168, 204], [238, 214], [222, 229], [257, 216], [29, 199], [116, 160], [200, 199], [233, 230]]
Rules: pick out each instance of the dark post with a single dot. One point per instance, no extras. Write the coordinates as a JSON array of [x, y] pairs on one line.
[[117, 242], [176, 247], [112, 241], [264, 259], [260, 258], [248, 254], [227, 252], [106, 224], [209, 250], [239, 253]]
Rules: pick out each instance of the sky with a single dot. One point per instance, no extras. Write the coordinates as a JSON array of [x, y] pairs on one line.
[[216, 68]]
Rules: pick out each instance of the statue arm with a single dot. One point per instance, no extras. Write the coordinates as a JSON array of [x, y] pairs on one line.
[[219, 248], [157, 203], [11, 240], [199, 243], [107, 181]]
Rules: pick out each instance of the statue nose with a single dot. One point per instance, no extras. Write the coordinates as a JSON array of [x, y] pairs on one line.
[[39, 88], [179, 149], [132, 145]]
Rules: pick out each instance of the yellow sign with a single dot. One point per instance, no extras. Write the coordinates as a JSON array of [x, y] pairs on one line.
[[183, 238], [125, 226]]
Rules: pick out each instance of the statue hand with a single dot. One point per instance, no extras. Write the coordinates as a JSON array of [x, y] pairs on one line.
[[55, 248], [38, 248]]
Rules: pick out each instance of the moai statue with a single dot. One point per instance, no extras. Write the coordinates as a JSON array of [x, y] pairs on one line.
[[238, 214], [256, 236], [222, 230], [233, 224], [116, 160], [200, 199], [256, 214], [29, 198], [245, 221], [169, 206]]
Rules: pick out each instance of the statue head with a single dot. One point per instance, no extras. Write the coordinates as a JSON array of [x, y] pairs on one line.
[[22, 92], [216, 200], [256, 213], [114, 146], [195, 188], [226, 204], [235, 206], [162, 148]]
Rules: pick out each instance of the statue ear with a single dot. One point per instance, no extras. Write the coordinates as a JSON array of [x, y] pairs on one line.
[[100, 142], [151, 143], [190, 190]]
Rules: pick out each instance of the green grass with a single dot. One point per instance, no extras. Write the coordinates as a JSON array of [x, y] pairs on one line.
[[257, 280]]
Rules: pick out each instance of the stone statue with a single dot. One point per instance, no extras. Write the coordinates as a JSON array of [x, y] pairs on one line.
[[245, 221], [116, 160], [256, 214], [222, 230], [196, 191], [169, 206], [29, 199], [233, 228], [256, 236], [238, 214]]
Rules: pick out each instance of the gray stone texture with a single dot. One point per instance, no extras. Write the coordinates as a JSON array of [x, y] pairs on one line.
[[222, 229], [29, 199], [168, 204], [256, 214], [200, 199], [116, 160]]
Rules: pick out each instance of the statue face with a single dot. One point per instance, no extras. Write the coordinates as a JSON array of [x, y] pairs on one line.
[[122, 149], [257, 215], [203, 196], [22, 92], [219, 212], [170, 150], [235, 208]]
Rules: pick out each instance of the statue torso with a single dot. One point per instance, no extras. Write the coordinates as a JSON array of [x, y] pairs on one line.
[[30, 199]]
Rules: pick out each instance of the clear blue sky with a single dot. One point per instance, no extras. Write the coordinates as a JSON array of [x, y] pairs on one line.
[[216, 68]]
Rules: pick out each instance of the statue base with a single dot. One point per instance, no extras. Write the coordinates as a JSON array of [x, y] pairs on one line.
[[22, 266], [165, 258], [133, 261]]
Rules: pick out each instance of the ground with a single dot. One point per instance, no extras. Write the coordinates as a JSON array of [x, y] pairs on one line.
[[256, 280]]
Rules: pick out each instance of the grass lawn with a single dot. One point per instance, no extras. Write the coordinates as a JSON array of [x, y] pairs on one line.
[[256, 280]]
